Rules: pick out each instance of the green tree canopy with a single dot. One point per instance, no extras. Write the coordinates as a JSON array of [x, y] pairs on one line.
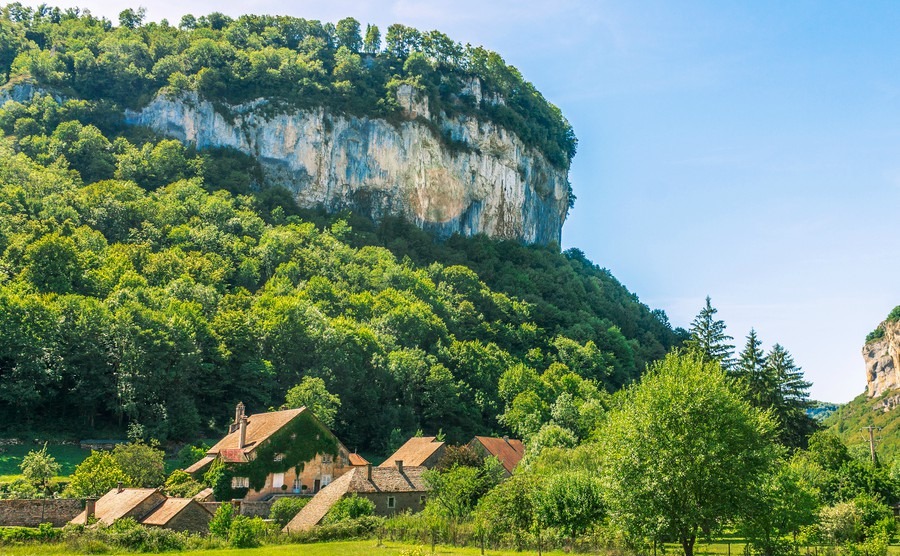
[[682, 451]]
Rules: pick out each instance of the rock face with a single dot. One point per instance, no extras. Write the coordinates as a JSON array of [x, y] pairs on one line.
[[448, 175], [882, 358]]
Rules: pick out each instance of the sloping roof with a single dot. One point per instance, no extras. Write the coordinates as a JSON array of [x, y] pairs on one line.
[[314, 512], [165, 512], [260, 427], [116, 504], [356, 459], [508, 451], [204, 495], [384, 479], [198, 466], [387, 479], [415, 452]]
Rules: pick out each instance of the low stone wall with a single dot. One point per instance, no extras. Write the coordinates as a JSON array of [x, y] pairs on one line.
[[256, 509], [31, 513]]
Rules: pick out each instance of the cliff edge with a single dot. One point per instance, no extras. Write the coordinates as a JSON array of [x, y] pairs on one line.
[[447, 174], [882, 357]]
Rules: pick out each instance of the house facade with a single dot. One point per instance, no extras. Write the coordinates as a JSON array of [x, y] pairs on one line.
[[394, 489], [286, 452]]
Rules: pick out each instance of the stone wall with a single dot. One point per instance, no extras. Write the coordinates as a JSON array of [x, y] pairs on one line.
[[31, 513], [256, 508]]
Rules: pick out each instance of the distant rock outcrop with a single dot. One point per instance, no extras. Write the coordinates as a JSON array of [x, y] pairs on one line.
[[448, 174], [882, 356]]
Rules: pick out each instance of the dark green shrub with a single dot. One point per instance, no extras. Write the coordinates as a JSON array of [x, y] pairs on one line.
[[284, 509], [246, 532], [220, 524], [351, 507]]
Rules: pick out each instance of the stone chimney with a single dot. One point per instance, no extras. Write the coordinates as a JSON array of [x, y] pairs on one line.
[[399, 463], [119, 487], [90, 508], [506, 438], [238, 413], [243, 427], [369, 471]]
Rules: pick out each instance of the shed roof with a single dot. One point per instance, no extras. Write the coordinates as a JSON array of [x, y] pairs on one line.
[[118, 503], [415, 452], [165, 512], [508, 450]]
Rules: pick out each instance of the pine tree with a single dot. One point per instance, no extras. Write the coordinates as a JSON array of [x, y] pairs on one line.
[[708, 338], [752, 371], [791, 397]]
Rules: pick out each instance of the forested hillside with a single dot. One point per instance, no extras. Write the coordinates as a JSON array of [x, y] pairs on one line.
[[136, 288]]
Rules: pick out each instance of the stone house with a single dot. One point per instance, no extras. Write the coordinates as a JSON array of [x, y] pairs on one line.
[[284, 452], [418, 451], [392, 489], [147, 506], [508, 450]]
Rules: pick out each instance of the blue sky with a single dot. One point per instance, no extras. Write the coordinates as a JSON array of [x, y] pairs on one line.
[[742, 150]]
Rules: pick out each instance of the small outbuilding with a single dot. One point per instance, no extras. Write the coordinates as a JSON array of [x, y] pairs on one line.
[[147, 506], [418, 451]]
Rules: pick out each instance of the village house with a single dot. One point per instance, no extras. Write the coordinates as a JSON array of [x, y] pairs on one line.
[[286, 452], [147, 506], [393, 489], [418, 451], [509, 451]]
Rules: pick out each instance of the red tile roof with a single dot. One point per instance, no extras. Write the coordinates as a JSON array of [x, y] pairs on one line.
[[508, 451]]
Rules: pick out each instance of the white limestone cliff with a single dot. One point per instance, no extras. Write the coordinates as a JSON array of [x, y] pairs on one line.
[[882, 358], [483, 180]]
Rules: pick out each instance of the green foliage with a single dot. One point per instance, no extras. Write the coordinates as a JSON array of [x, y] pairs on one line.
[[708, 338], [454, 493], [246, 532], [95, 476], [350, 507], [312, 394], [142, 464], [681, 449], [284, 509], [292, 62], [190, 455], [220, 524], [39, 467], [182, 485], [571, 502]]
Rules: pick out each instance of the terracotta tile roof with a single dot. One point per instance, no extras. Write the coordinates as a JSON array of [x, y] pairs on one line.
[[166, 511], [260, 427], [415, 452], [508, 451], [115, 504], [198, 466], [204, 495], [356, 459]]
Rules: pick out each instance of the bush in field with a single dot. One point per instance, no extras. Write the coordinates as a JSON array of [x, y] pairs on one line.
[[284, 509], [220, 524], [182, 485], [246, 532], [351, 507]]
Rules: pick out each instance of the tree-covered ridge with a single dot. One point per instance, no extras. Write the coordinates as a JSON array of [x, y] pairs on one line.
[[154, 297], [296, 62]]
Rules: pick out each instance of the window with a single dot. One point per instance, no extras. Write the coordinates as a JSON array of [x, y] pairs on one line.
[[392, 502], [277, 480], [279, 457], [326, 458], [240, 482], [326, 479]]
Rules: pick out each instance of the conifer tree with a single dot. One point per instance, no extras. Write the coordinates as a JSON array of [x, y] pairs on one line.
[[372, 42], [791, 397], [708, 338], [752, 371]]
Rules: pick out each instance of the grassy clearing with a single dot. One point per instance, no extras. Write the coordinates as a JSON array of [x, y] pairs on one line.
[[67, 455]]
